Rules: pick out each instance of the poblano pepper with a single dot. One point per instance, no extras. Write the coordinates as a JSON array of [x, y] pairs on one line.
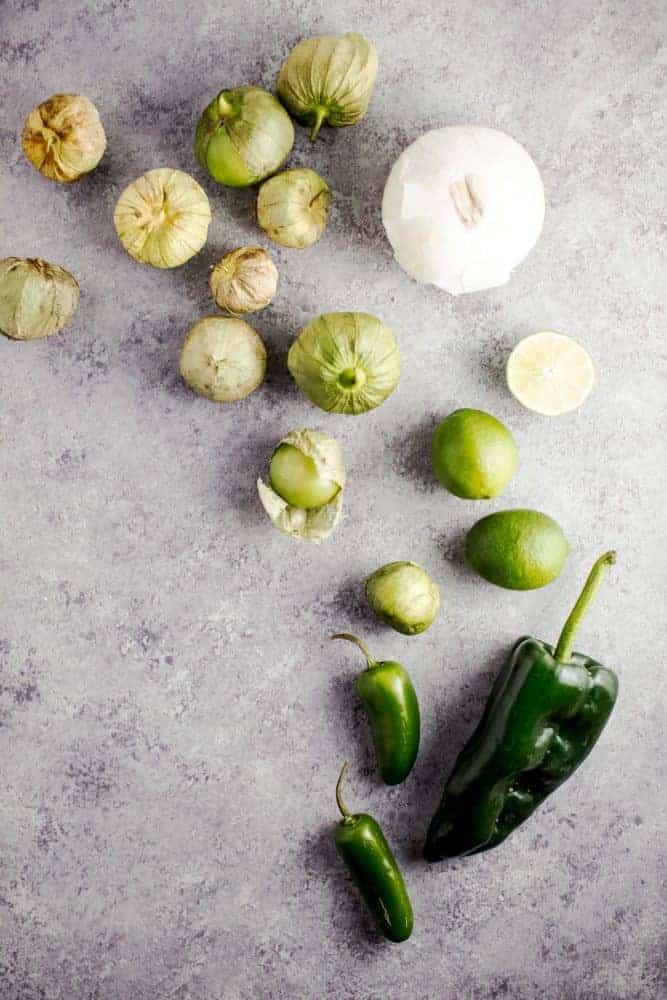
[[543, 717]]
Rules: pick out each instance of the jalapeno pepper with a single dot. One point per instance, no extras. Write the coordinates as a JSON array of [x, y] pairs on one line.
[[361, 844], [392, 709]]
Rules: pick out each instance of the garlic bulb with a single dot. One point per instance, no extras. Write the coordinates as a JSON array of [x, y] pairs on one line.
[[462, 207], [223, 359], [330, 79], [244, 280], [63, 137], [36, 298], [162, 218]]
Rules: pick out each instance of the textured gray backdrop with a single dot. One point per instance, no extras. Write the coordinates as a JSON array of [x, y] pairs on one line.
[[173, 715]]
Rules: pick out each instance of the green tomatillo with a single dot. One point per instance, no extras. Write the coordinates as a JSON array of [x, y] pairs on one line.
[[36, 298], [292, 207], [345, 362], [243, 136], [306, 480], [403, 595], [328, 79]]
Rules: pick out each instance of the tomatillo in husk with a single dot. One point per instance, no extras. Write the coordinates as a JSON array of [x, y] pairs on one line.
[[307, 476], [36, 298], [329, 79], [345, 362], [243, 136], [403, 595], [292, 207]]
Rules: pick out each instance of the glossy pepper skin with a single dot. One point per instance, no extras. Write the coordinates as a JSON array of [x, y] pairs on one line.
[[544, 715], [362, 845], [390, 701]]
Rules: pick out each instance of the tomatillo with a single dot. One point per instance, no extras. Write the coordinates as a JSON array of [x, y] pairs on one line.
[[306, 480], [295, 477]]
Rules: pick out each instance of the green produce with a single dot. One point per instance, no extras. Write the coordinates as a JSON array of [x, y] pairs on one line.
[[296, 478], [307, 476], [243, 136], [517, 549], [345, 362], [162, 218], [244, 281], [403, 595], [474, 455], [223, 359], [63, 137], [543, 717], [363, 848], [389, 698], [329, 79], [292, 208], [36, 298], [550, 373]]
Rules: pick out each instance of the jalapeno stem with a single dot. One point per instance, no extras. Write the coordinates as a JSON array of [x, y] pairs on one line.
[[344, 811], [370, 662], [564, 647]]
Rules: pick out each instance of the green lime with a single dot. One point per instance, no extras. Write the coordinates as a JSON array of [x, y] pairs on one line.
[[474, 455], [517, 549]]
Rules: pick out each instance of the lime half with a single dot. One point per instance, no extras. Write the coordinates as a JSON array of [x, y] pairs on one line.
[[550, 373]]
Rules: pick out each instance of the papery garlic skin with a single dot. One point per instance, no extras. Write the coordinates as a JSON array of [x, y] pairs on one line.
[[223, 359], [37, 299], [462, 207], [313, 524], [292, 207], [63, 137], [245, 280], [162, 218], [329, 78]]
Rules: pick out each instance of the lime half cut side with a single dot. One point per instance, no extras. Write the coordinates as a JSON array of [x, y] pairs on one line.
[[550, 373]]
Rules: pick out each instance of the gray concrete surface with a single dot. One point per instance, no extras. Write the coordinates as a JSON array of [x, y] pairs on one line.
[[173, 716]]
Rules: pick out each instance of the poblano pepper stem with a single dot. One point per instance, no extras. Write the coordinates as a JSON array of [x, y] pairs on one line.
[[563, 650]]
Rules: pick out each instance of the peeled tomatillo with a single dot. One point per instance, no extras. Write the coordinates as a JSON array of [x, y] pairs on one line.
[[392, 709], [295, 477]]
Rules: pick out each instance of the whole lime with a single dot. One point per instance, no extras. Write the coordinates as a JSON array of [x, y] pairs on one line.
[[474, 455], [517, 549]]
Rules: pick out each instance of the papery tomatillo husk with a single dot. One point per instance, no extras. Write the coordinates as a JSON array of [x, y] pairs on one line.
[[162, 218], [329, 79], [316, 523], [36, 298], [63, 137], [223, 359], [244, 280], [292, 207], [243, 136], [403, 595], [345, 362]]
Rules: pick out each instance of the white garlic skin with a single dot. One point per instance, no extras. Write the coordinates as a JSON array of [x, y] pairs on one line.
[[462, 207]]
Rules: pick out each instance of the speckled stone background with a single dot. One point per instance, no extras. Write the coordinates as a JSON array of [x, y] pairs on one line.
[[173, 716]]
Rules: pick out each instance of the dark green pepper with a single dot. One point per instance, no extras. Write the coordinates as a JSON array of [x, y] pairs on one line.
[[543, 717], [361, 844], [391, 705]]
